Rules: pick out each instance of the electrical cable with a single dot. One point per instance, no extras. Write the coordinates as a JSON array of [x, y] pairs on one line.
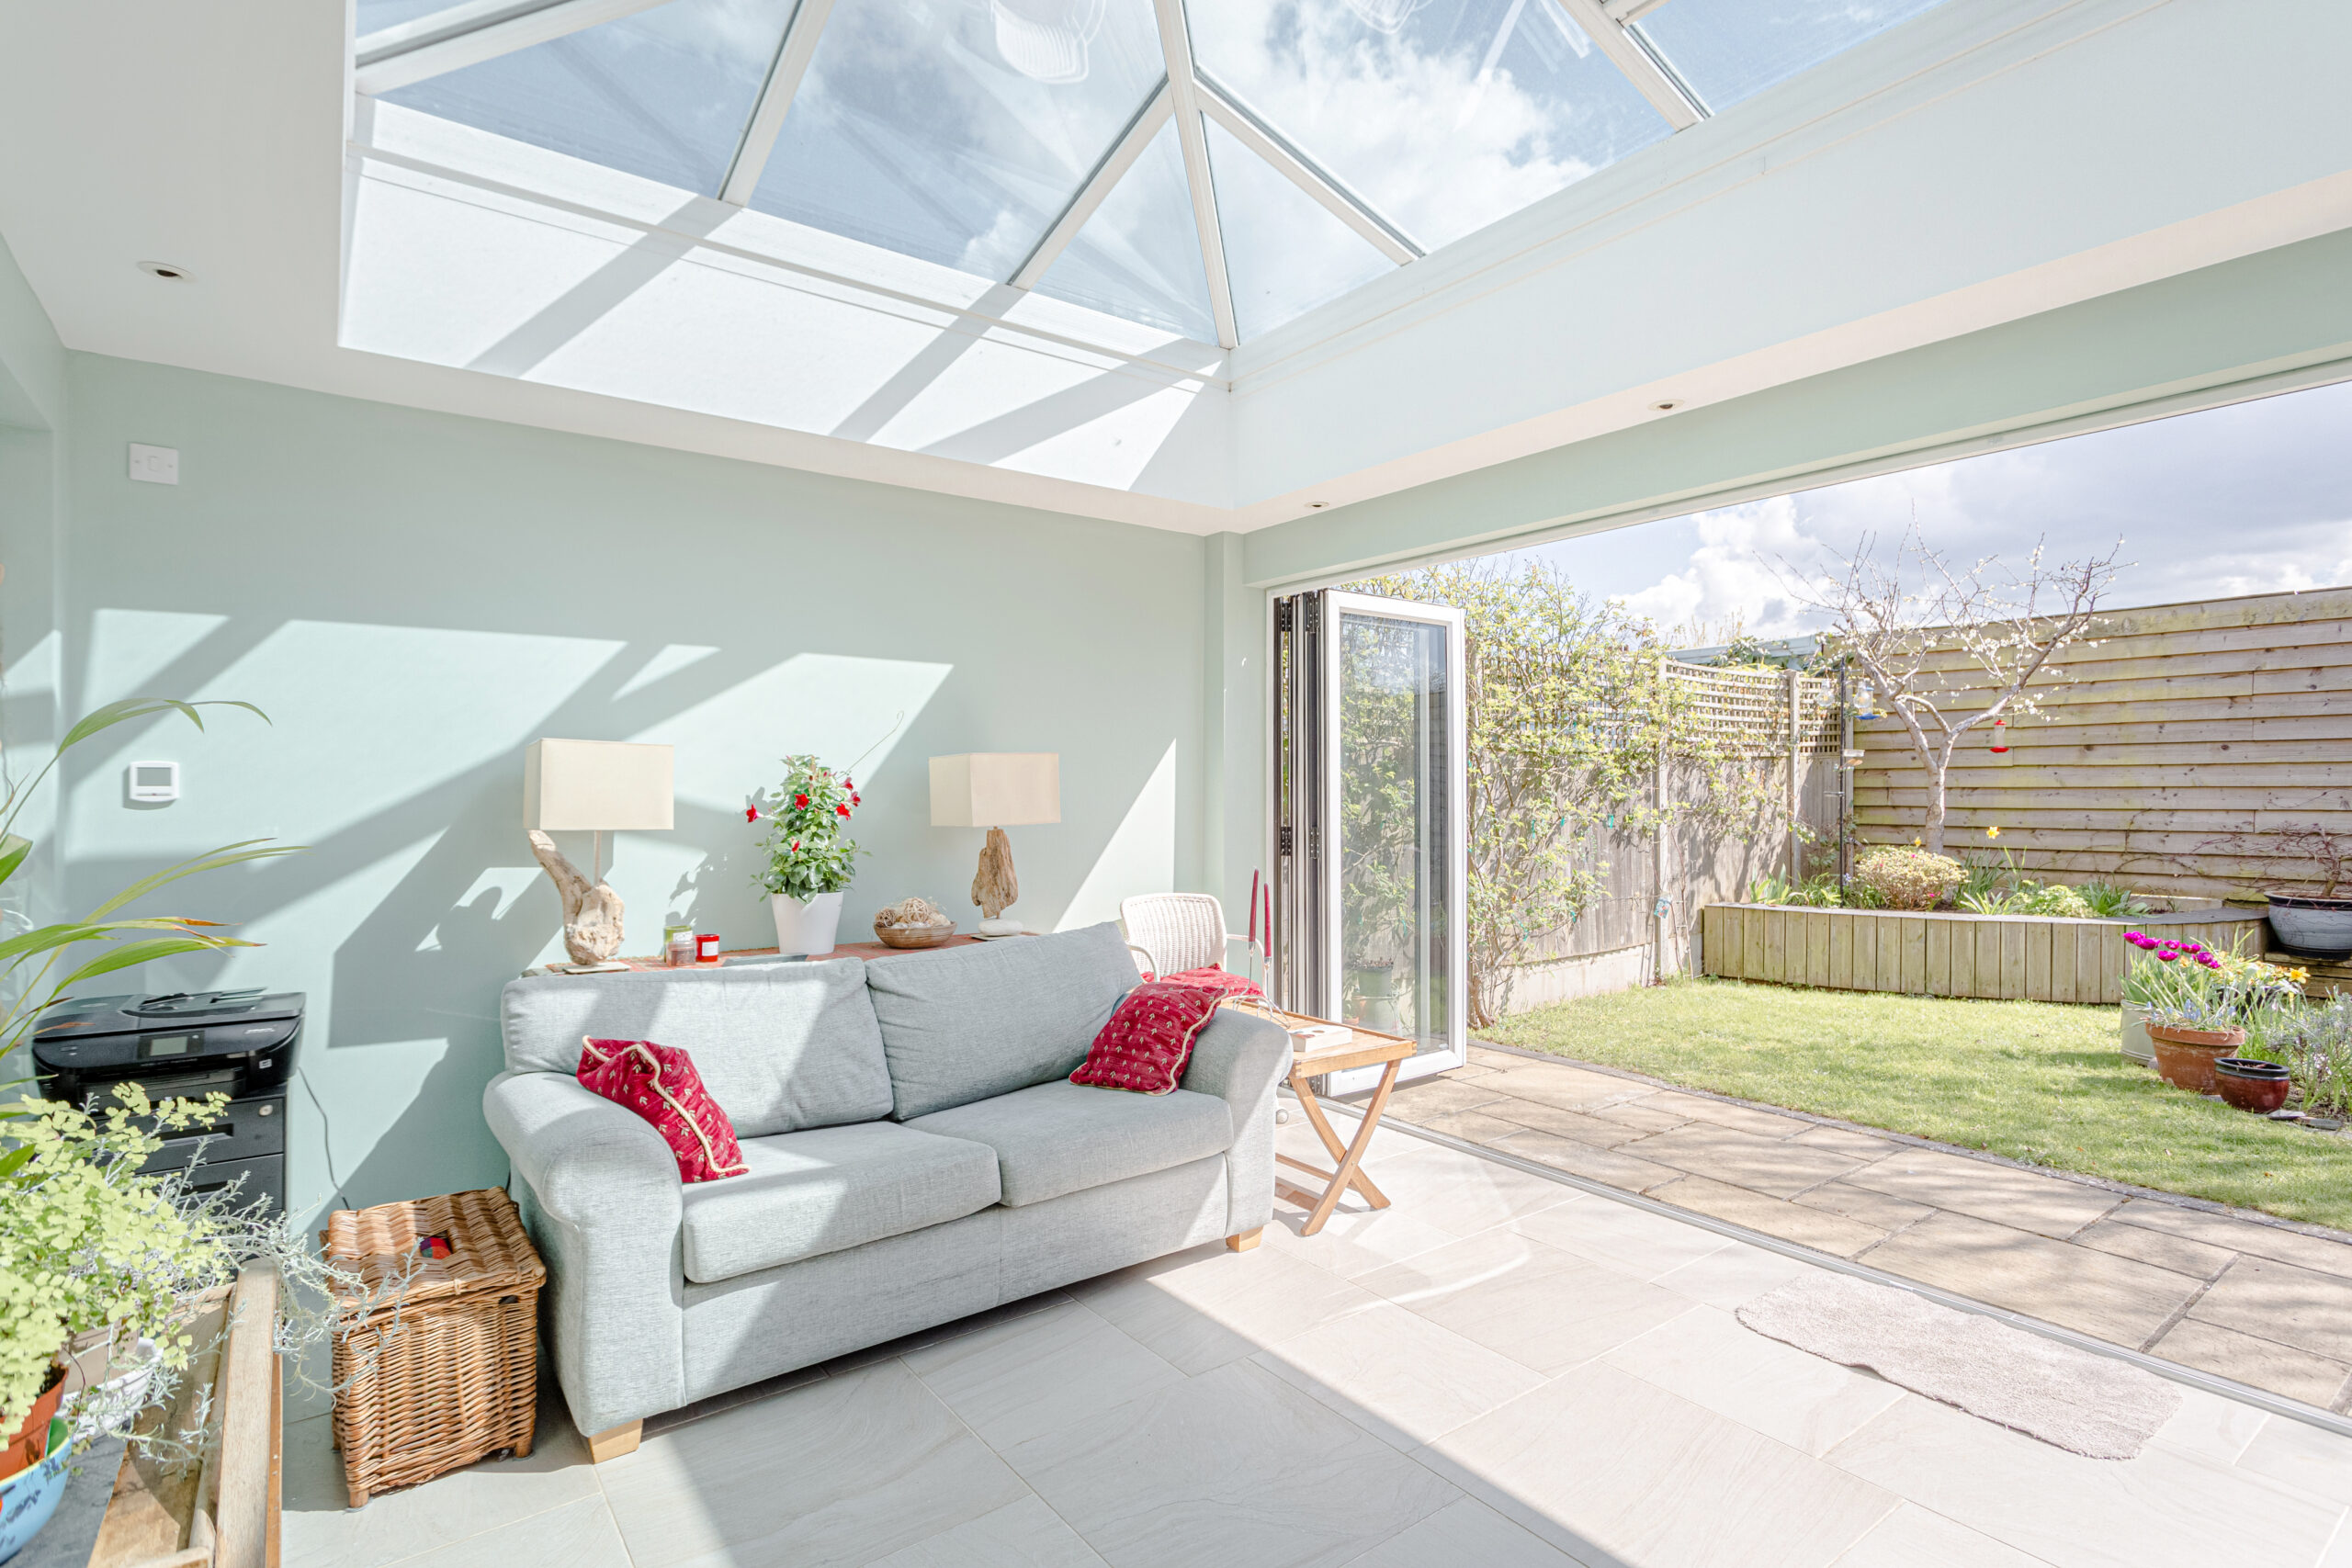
[[326, 1137]]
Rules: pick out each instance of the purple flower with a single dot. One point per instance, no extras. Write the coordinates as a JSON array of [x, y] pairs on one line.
[[2208, 960], [2167, 957]]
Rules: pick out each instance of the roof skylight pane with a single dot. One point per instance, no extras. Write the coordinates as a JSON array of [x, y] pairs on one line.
[[1283, 254], [957, 132], [663, 94], [1444, 114], [1139, 255], [1730, 49], [375, 15]]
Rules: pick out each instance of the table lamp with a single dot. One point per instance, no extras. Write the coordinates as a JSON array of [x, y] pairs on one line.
[[597, 786], [996, 790]]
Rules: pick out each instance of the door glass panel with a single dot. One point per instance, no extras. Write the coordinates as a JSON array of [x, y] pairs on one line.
[[1397, 859]]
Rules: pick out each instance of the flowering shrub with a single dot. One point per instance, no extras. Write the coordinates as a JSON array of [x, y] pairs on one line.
[[808, 847], [2314, 1045], [1908, 878]]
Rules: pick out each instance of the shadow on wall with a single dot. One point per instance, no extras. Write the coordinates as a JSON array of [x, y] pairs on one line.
[[395, 754]]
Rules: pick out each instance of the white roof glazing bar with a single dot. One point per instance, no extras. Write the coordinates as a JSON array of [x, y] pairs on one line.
[[471, 33], [1176, 44], [1666, 94], [1302, 172], [792, 57], [1122, 157], [1625, 13]]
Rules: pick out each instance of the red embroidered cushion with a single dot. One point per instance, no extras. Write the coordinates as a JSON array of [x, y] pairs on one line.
[[659, 1082], [1224, 982], [1149, 1038]]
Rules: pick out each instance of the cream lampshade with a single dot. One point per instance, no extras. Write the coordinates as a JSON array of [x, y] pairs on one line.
[[996, 790], [592, 786]]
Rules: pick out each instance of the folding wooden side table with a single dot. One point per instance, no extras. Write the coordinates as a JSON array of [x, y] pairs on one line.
[[1363, 1048]]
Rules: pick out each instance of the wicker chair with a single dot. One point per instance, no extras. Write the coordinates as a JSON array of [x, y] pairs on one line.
[[1172, 932]]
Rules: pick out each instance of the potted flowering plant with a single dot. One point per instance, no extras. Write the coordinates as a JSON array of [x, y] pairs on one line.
[[810, 858], [2196, 1003]]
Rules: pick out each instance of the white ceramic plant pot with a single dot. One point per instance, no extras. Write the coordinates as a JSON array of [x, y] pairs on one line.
[[2137, 1046], [805, 926]]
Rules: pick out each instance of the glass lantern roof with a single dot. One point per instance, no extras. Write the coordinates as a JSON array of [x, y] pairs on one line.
[[1212, 170]]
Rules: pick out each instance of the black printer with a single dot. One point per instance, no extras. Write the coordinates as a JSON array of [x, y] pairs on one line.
[[187, 1045]]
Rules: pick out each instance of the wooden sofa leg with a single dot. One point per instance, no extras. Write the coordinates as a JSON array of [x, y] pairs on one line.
[[1246, 1240], [615, 1441]]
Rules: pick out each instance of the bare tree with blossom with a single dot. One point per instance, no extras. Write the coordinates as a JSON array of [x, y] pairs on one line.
[[1949, 651]]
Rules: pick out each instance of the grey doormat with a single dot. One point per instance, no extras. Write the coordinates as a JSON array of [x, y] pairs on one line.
[[2087, 1404]]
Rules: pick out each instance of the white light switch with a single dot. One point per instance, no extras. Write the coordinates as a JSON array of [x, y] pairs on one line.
[[156, 465]]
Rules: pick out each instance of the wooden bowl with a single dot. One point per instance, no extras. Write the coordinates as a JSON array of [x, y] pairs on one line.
[[914, 936]]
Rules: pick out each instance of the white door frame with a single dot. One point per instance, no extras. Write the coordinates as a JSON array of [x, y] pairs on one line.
[[1336, 604]]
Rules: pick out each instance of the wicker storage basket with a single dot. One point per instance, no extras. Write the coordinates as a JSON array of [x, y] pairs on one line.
[[442, 1370]]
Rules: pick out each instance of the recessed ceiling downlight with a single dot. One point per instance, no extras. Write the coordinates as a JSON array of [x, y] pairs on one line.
[[171, 272], [1666, 405]]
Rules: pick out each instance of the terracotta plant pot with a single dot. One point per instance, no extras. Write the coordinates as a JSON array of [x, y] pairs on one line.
[[2251, 1085], [29, 1443], [2185, 1058]]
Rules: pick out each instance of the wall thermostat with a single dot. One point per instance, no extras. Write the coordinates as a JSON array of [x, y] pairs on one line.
[[154, 781]]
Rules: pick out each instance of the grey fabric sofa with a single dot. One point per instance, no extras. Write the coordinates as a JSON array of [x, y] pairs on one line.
[[917, 1153]]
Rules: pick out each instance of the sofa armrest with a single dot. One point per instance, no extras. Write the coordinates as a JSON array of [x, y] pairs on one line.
[[606, 1209], [1240, 1057]]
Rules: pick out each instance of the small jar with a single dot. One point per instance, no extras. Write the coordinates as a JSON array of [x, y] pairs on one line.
[[707, 947], [680, 950]]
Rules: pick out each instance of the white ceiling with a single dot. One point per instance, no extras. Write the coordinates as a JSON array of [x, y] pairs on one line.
[[1980, 165]]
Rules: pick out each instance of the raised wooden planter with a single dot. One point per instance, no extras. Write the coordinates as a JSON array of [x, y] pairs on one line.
[[2031, 957]]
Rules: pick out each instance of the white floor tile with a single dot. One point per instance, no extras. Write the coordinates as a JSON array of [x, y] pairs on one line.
[[2302, 1456], [1466, 1194], [1632, 1240], [578, 1535], [320, 1529], [2160, 1510], [1036, 1374], [1356, 1239], [1542, 1307], [1466, 1534], [1732, 1275], [2210, 1427], [838, 1472], [1614, 1471], [1913, 1537], [1709, 1358], [1396, 1374], [1234, 1469], [1026, 1534], [1201, 1309]]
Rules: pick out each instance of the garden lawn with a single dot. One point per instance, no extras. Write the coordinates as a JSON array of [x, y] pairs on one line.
[[2036, 1081]]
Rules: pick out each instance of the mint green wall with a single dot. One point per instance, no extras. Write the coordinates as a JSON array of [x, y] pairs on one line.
[[32, 498], [413, 597]]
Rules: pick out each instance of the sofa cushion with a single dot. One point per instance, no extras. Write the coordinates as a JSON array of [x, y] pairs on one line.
[[831, 1187], [967, 1023], [1064, 1137], [659, 1082], [780, 1046]]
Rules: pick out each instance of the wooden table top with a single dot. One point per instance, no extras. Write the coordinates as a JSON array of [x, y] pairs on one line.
[[1364, 1047]]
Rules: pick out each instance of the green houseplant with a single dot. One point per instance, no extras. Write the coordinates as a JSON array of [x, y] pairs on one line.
[[810, 858], [93, 1252]]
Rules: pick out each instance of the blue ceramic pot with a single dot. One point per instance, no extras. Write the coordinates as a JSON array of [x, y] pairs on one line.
[[30, 1496]]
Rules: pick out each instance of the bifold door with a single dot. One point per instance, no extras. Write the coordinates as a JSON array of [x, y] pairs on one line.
[[1369, 851]]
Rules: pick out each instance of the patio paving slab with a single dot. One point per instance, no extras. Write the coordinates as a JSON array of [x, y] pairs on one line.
[[2241, 1236], [1780, 1167], [1441, 1096], [1647, 1118], [1883, 1210], [1757, 1211], [2122, 1300], [1724, 1114], [2047, 1205], [1612, 1166], [2278, 1301], [1602, 1131], [1861, 1146], [2262, 1363], [1572, 1089], [2162, 1248]]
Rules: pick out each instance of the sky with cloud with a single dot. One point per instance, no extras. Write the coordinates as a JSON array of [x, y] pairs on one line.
[[2254, 498]]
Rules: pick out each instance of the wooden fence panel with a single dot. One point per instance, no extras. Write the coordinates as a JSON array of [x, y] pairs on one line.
[[2189, 735]]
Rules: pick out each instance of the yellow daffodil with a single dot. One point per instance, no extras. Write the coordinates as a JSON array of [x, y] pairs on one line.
[[1916, 841], [1992, 832]]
